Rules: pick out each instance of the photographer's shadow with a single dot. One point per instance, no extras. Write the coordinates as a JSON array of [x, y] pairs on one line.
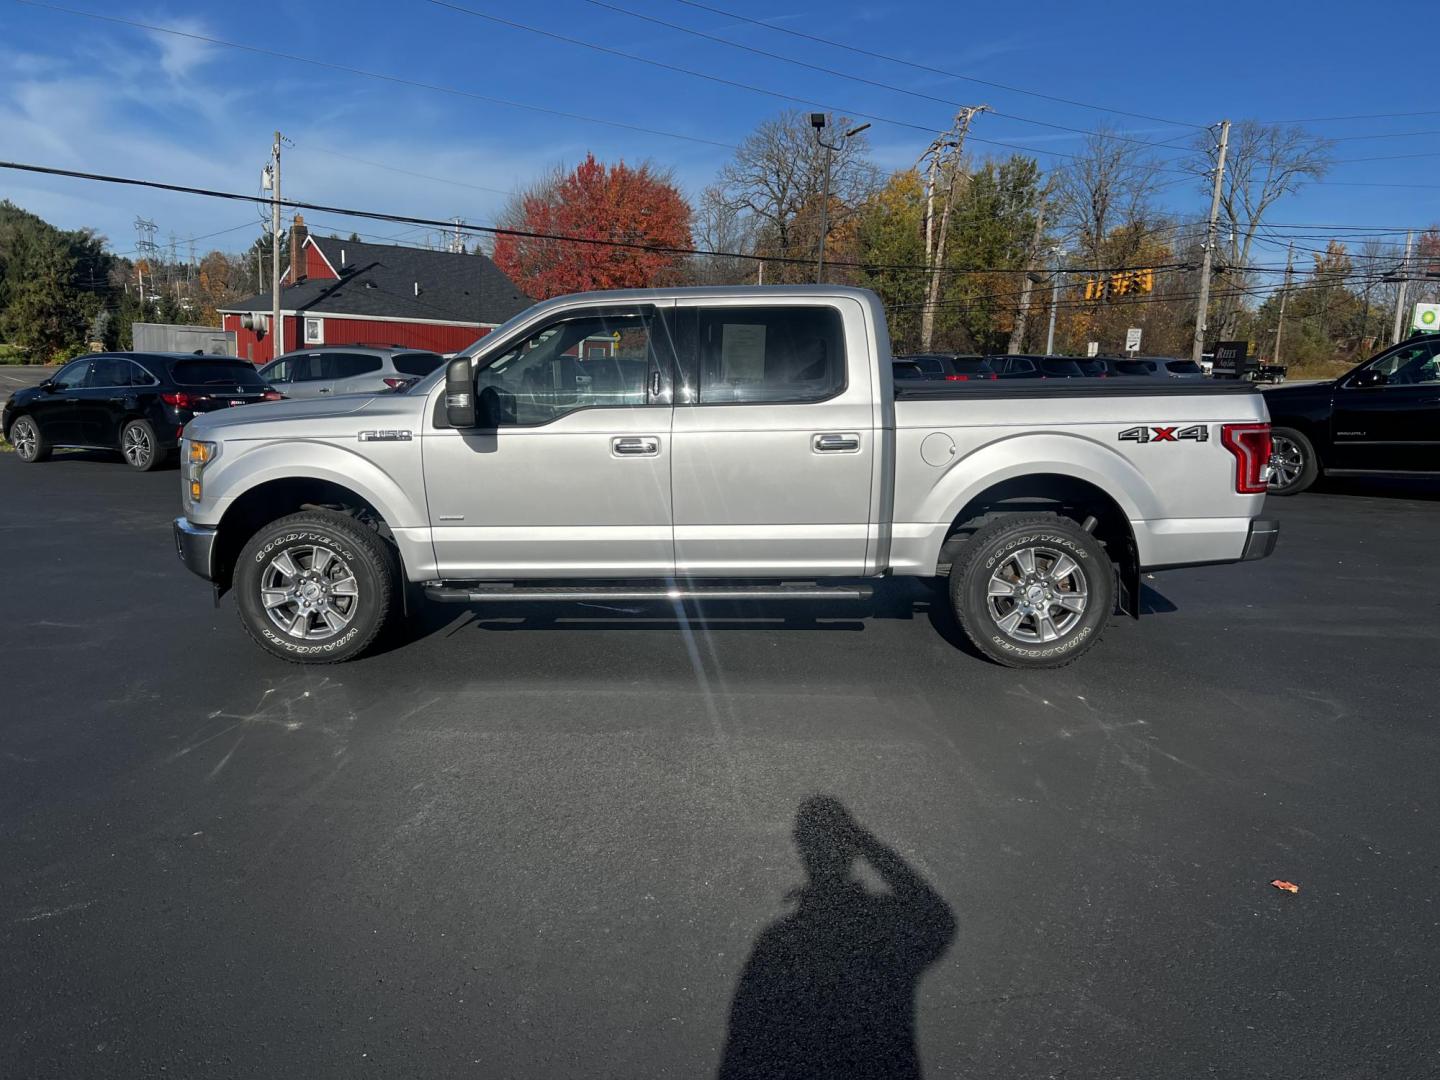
[[829, 990]]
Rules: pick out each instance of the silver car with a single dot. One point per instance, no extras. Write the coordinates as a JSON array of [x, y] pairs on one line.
[[349, 369]]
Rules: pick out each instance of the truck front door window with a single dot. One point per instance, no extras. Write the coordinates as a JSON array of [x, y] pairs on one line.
[[581, 363]]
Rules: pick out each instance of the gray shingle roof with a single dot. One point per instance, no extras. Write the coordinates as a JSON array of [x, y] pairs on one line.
[[380, 279]]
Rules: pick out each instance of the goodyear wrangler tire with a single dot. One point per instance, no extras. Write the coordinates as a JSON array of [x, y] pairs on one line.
[[1033, 590], [315, 587]]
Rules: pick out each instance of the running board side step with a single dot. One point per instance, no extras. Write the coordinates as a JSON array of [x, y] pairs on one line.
[[481, 594]]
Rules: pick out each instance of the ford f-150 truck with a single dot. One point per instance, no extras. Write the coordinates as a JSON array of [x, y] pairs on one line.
[[732, 443]]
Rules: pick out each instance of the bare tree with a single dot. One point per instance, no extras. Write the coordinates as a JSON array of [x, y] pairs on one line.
[[1110, 186], [776, 176], [719, 226], [1264, 163]]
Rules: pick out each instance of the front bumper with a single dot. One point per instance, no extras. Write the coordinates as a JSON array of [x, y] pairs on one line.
[[1264, 532], [195, 544]]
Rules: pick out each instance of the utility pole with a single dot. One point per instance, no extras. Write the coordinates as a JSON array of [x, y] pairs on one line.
[[1054, 304], [277, 327], [944, 154], [818, 121], [1017, 333], [1403, 290], [1201, 311], [1284, 295], [457, 238]]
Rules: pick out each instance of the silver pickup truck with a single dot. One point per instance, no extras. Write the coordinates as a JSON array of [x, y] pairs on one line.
[[734, 443]]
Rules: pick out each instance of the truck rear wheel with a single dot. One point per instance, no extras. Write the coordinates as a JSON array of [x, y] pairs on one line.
[[1033, 590], [315, 587]]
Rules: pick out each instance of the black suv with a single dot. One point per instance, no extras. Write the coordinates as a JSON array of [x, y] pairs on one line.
[[951, 367], [1036, 367], [1381, 417], [136, 403]]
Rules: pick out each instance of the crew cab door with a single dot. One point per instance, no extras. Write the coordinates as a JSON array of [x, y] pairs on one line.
[[773, 438], [1387, 415], [569, 474]]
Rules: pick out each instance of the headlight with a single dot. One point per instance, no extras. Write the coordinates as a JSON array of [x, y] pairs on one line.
[[198, 454]]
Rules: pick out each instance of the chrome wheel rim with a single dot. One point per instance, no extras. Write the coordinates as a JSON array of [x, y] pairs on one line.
[[136, 446], [1037, 595], [1287, 462], [309, 593], [25, 437]]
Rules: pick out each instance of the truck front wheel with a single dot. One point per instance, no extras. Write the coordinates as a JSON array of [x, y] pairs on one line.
[[1033, 590], [315, 587]]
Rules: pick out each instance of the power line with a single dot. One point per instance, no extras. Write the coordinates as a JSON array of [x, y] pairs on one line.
[[449, 224], [933, 70], [396, 79], [723, 81], [869, 82], [1355, 116]]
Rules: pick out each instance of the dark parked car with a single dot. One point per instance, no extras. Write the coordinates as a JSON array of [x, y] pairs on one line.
[[349, 369], [1035, 367], [951, 367], [1381, 417], [136, 403], [1154, 367]]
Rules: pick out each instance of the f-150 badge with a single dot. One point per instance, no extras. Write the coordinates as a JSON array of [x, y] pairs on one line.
[[385, 436], [1193, 433]]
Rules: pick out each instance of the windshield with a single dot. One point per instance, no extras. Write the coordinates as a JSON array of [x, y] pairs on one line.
[[1091, 367], [216, 373], [970, 365], [1060, 368]]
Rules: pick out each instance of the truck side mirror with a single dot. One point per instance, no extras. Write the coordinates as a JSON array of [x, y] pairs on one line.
[[459, 393]]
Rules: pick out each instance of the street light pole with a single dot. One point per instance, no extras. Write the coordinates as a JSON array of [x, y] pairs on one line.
[[818, 121]]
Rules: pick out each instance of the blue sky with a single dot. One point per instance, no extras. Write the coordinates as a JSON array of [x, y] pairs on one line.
[[81, 93]]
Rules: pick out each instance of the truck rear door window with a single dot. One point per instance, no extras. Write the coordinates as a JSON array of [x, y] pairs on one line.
[[769, 354]]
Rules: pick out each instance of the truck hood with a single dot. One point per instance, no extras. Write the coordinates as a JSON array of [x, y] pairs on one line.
[[308, 418]]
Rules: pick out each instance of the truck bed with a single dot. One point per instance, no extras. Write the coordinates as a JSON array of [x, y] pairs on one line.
[[934, 389]]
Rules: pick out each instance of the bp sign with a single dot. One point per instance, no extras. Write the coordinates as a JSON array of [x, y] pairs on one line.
[[1427, 317]]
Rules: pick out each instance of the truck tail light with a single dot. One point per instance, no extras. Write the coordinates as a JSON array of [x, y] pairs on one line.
[[272, 395], [1250, 443], [180, 399]]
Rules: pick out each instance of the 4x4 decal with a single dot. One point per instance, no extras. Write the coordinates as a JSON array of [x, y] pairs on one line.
[[1174, 433]]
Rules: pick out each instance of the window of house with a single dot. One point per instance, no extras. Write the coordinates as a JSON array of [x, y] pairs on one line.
[[314, 331]]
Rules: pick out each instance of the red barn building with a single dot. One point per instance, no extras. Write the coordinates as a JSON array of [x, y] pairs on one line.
[[344, 292]]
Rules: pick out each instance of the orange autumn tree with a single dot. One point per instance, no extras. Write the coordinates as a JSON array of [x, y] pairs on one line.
[[595, 202]]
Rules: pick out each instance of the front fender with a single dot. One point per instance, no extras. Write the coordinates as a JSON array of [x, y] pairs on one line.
[[391, 481]]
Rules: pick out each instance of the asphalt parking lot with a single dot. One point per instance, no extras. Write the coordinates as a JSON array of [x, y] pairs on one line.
[[568, 841]]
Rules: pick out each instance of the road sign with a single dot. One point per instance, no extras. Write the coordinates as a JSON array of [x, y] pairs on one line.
[[1427, 318], [1092, 348], [1132, 339]]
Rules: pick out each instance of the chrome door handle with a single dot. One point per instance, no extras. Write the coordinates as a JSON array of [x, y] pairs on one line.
[[836, 443], [324, 390], [641, 446]]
